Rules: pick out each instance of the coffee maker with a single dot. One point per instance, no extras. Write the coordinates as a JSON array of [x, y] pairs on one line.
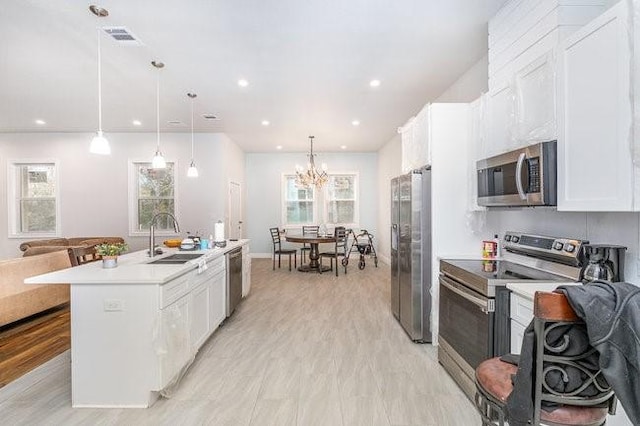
[[602, 262]]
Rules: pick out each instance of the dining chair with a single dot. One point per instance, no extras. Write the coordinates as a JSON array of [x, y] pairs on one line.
[[279, 251], [340, 249], [559, 352], [83, 254], [308, 230]]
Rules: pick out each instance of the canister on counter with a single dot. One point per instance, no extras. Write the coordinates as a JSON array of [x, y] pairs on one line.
[[489, 249]]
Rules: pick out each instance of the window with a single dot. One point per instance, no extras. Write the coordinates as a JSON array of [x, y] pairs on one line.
[[151, 191], [299, 208], [338, 202], [341, 205], [33, 198]]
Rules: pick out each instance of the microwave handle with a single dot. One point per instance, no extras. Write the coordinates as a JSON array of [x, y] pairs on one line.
[[521, 192]]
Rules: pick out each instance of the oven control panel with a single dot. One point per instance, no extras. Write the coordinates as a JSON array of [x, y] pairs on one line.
[[565, 250]]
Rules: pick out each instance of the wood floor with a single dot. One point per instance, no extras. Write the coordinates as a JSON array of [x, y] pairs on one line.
[[32, 342], [302, 349]]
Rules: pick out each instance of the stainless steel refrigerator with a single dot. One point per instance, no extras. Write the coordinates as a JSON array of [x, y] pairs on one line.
[[411, 253]]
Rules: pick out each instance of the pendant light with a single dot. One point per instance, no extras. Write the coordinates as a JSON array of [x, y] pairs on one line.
[[99, 144], [193, 170], [158, 161]]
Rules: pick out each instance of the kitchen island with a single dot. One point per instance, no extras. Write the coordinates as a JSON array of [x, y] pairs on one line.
[[136, 328]]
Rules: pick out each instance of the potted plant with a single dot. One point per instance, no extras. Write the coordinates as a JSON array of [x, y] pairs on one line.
[[109, 253]]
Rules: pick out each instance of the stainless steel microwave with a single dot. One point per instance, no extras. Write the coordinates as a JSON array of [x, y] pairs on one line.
[[523, 177]]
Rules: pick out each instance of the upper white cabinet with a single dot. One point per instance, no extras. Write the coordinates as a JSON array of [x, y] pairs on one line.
[[416, 150], [595, 162], [523, 37], [500, 105], [536, 100], [475, 143]]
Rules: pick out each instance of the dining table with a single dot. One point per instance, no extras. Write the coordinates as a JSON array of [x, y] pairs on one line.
[[314, 254]]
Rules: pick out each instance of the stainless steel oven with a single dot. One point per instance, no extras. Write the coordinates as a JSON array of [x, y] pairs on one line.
[[473, 302], [524, 177], [473, 327]]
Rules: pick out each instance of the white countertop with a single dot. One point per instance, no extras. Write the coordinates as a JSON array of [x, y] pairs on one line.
[[528, 289], [133, 268]]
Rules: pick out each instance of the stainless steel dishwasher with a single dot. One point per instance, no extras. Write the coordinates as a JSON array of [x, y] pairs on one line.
[[234, 279]]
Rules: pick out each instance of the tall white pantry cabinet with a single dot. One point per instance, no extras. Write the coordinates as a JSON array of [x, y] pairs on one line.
[[596, 145]]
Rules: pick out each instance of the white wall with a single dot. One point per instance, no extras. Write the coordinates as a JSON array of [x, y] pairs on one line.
[[470, 85], [389, 166], [94, 191], [264, 198]]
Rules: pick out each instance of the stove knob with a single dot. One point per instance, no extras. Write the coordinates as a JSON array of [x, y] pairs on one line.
[[569, 248], [507, 237], [558, 246], [515, 239]]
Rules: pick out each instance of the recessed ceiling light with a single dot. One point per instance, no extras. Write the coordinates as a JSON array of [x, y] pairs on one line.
[[355, 122], [279, 147], [343, 147], [40, 122], [374, 83], [265, 122], [136, 123], [243, 83]]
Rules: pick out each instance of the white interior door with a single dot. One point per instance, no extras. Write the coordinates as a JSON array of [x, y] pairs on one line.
[[235, 210]]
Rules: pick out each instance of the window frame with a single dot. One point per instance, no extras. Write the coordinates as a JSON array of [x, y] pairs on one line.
[[356, 200], [134, 229], [13, 218], [284, 200]]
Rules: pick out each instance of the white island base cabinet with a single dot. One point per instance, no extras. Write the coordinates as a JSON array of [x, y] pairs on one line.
[[132, 341]]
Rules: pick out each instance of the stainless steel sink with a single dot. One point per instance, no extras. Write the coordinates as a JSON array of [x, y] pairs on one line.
[[176, 259]]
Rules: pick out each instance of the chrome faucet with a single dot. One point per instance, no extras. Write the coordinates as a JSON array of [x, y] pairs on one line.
[[152, 231]]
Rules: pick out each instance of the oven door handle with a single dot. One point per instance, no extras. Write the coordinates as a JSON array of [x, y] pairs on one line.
[[521, 192], [482, 304]]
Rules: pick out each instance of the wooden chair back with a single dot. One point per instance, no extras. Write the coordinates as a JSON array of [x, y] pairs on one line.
[[82, 255]]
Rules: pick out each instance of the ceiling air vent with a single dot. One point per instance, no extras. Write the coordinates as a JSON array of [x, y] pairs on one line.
[[175, 123], [210, 117], [122, 36]]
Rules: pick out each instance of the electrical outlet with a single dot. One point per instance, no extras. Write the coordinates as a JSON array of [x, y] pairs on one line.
[[113, 305]]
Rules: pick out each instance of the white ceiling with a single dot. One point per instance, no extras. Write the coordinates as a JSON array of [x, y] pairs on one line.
[[308, 62]]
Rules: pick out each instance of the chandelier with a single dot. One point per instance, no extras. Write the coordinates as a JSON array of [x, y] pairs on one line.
[[311, 176]]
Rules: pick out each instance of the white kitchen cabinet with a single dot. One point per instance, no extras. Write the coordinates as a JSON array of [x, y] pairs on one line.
[[535, 87], [523, 37], [595, 165], [200, 306], [500, 106], [475, 145], [521, 314], [416, 151], [217, 295], [173, 348]]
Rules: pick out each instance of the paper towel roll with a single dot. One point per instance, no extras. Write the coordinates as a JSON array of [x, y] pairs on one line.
[[218, 232]]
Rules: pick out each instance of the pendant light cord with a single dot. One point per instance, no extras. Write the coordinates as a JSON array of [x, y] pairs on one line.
[[158, 110], [99, 83], [192, 99]]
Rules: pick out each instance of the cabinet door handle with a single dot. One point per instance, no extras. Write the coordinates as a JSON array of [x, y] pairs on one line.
[[521, 192]]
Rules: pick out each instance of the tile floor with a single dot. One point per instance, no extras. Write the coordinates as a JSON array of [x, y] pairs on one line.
[[302, 349]]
